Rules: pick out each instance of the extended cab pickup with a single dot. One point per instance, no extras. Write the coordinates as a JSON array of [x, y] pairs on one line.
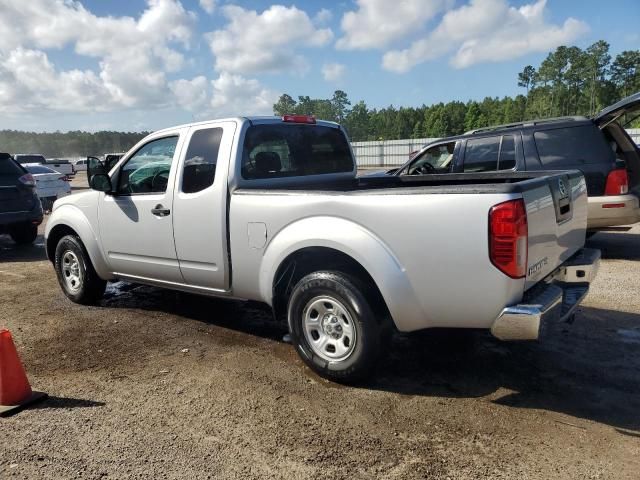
[[270, 210]]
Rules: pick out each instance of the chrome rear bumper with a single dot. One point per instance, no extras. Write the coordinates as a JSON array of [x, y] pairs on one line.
[[552, 300]]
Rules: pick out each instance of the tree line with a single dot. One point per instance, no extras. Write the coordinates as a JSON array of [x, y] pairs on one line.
[[570, 81], [69, 144]]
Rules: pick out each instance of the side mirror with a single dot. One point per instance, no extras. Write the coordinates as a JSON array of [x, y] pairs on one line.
[[100, 182]]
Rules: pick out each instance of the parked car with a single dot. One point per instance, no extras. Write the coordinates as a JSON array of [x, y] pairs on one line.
[[50, 185], [20, 210], [62, 166], [270, 209], [80, 165], [598, 147]]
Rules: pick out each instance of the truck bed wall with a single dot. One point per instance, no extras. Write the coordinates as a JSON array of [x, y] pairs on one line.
[[427, 253]]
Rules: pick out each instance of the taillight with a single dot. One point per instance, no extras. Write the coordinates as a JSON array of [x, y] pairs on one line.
[[508, 237], [27, 180], [309, 119], [617, 182], [64, 178]]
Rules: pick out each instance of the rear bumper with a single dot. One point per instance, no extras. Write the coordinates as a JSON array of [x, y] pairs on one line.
[[552, 300], [613, 210], [10, 218]]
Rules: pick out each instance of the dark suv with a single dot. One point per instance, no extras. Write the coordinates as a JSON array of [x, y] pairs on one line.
[[20, 210], [599, 147]]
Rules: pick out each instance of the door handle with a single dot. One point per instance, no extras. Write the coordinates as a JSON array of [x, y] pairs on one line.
[[160, 211]]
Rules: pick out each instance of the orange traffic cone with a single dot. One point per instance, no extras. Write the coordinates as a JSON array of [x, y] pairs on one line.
[[15, 391]]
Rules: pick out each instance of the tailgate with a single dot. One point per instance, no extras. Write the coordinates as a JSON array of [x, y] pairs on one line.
[[556, 220]]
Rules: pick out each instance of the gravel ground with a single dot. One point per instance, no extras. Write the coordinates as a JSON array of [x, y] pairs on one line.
[[158, 384]]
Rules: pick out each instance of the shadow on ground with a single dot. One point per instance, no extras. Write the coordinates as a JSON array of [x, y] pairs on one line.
[[588, 369], [616, 245], [66, 403], [10, 252]]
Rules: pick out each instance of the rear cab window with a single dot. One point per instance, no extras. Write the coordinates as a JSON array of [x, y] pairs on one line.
[[30, 159], [288, 150]]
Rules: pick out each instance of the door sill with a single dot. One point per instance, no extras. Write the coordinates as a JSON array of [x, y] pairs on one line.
[[211, 292]]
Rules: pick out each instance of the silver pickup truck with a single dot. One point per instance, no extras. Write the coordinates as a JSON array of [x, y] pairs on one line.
[[270, 210]]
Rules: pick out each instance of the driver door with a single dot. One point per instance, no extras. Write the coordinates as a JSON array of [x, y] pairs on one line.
[[136, 228]]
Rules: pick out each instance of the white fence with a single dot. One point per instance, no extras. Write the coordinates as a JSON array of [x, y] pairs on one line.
[[390, 153]]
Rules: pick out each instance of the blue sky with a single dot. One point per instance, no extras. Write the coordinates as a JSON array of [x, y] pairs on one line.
[[146, 64]]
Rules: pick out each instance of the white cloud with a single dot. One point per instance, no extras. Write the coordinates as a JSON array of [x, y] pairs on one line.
[[486, 31], [236, 95], [333, 72], [378, 23], [259, 43], [133, 55], [29, 81], [323, 16], [191, 94], [208, 5]]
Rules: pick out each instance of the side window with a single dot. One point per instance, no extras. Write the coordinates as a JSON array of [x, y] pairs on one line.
[[147, 171], [481, 154], [507, 153], [201, 159], [435, 160], [490, 154], [563, 148]]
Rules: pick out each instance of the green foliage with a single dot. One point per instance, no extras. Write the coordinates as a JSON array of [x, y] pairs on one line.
[[570, 81], [69, 144]]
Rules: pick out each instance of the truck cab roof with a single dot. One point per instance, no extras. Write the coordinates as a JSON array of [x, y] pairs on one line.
[[255, 119]]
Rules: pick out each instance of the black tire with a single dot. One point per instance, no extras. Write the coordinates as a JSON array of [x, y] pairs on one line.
[[90, 288], [24, 233], [353, 295]]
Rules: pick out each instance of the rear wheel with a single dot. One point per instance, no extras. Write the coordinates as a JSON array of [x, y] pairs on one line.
[[334, 327], [24, 233], [76, 275]]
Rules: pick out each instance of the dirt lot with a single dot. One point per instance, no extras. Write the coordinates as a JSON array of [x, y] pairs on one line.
[[157, 384]]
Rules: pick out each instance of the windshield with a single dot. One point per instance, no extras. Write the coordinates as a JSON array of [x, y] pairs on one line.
[[286, 150]]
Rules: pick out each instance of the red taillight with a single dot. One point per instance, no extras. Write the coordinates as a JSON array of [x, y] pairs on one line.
[[617, 182], [64, 178], [508, 237], [309, 119], [27, 180]]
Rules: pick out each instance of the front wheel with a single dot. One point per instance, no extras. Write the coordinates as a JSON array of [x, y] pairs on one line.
[[76, 275], [333, 326]]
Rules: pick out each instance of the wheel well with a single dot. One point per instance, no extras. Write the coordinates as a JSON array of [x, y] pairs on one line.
[[55, 235], [312, 259]]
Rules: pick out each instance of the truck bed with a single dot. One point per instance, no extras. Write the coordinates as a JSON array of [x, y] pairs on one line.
[[470, 183]]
